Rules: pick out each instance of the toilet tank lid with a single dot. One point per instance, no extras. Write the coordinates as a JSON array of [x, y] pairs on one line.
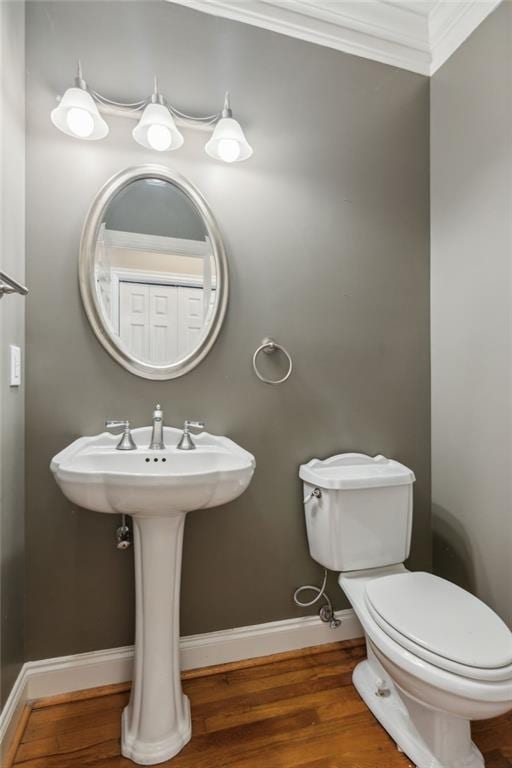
[[349, 471]]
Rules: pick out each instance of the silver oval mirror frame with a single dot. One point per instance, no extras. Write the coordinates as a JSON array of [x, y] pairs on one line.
[[87, 274]]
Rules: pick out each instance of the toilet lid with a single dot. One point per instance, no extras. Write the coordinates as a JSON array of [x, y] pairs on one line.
[[442, 618]]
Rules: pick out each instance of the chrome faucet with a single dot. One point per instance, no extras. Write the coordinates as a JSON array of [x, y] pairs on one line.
[[126, 442], [186, 443], [157, 435]]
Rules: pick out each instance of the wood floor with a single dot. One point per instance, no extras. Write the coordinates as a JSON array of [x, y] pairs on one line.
[[291, 712]]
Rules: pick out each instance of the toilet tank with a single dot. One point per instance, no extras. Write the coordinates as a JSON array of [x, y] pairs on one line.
[[358, 511]]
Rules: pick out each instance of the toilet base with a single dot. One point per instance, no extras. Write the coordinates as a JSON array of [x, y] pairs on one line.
[[429, 738]]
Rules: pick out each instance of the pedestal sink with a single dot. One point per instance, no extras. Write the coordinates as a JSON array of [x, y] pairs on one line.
[[157, 488]]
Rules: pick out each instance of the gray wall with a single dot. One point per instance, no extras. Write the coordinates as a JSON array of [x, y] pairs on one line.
[[471, 151], [12, 321], [327, 234]]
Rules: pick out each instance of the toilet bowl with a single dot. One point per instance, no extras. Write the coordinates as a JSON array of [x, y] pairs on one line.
[[437, 657], [423, 699]]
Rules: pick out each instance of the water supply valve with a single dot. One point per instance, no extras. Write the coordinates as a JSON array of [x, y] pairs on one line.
[[123, 535]]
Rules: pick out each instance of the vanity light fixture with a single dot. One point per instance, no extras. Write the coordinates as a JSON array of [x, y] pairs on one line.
[[228, 142], [156, 128], [78, 115]]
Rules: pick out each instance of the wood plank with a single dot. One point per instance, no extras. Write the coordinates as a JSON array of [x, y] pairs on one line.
[[326, 763], [60, 712], [350, 735], [489, 734], [335, 697], [9, 751], [69, 742], [227, 688], [496, 759], [86, 693], [75, 716], [244, 702], [91, 756]]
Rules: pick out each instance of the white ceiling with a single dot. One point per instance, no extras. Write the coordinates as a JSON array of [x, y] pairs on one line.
[[418, 35]]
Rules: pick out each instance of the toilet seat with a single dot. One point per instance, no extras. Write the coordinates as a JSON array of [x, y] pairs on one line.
[[442, 624]]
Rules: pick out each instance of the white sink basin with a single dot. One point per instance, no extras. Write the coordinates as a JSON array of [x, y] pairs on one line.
[[94, 475], [157, 488]]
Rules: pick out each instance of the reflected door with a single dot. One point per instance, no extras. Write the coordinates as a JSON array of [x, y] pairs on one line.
[[163, 337], [191, 320], [159, 323], [134, 318]]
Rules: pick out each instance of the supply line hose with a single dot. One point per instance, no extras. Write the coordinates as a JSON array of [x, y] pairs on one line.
[[326, 611]]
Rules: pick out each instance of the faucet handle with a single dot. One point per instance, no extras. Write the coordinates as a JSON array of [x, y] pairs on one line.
[[126, 442], [193, 425], [186, 443], [117, 423]]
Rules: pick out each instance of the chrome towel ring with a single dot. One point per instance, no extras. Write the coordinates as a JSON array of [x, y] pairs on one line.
[[268, 346]]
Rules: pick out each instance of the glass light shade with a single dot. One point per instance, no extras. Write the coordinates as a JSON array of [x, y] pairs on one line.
[[156, 129], [228, 142], [78, 116]]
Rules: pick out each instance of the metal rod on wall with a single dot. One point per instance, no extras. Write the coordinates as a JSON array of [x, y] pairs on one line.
[[10, 285]]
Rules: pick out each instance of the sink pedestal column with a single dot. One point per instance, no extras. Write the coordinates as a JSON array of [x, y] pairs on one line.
[[156, 722]]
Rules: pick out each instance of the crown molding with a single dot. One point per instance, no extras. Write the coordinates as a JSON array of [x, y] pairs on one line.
[[367, 29], [416, 35], [451, 23]]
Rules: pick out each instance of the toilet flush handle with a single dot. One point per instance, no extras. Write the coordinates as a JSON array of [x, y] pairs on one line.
[[316, 493]]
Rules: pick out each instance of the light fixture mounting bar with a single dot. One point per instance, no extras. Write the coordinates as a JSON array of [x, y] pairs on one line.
[[134, 108], [118, 110]]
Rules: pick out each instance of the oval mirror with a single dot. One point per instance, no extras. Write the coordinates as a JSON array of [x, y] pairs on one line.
[[153, 272]]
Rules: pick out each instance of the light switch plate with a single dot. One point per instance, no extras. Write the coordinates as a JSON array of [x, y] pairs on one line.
[[15, 365]]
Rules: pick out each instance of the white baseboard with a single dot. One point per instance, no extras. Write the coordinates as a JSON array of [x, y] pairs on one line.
[[265, 639], [11, 713], [64, 674]]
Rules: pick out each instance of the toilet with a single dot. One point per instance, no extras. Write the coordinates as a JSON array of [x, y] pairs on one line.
[[437, 657]]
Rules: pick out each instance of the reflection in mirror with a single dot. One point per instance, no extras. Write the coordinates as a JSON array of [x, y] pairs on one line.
[[154, 272]]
